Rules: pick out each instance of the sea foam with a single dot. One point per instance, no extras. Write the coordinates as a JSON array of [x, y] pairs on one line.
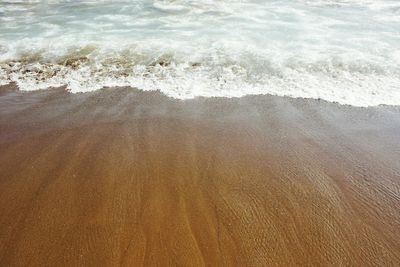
[[340, 51]]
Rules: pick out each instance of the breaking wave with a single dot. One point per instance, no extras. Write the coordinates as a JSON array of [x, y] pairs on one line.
[[339, 51]]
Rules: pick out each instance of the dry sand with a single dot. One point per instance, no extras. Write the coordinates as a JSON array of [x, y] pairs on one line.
[[120, 177]]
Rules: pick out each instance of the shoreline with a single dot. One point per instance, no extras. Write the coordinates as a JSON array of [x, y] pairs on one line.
[[13, 87], [127, 177]]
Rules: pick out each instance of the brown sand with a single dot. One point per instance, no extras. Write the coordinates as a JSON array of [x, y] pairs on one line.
[[120, 177]]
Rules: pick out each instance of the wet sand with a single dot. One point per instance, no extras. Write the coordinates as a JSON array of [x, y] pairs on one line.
[[121, 177]]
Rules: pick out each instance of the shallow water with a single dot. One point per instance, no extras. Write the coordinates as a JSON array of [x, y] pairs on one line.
[[341, 51]]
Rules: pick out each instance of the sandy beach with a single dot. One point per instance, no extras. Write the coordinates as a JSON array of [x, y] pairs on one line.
[[122, 177]]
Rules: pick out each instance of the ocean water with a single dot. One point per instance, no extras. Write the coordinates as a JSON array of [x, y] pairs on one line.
[[345, 51]]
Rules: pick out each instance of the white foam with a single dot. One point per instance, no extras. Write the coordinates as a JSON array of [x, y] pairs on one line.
[[342, 51]]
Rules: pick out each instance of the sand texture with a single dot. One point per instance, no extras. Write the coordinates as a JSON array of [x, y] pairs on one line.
[[121, 177]]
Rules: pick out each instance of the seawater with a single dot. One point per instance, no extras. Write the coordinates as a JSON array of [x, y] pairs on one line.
[[345, 51]]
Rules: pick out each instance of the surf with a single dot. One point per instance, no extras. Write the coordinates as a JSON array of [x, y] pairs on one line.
[[339, 51]]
